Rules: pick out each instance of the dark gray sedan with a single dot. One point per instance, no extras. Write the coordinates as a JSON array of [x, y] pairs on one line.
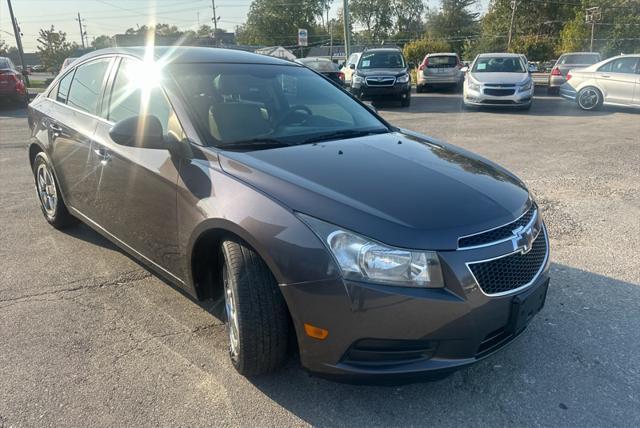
[[373, 251]]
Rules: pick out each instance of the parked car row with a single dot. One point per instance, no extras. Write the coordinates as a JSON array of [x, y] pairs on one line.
[[12, 84]]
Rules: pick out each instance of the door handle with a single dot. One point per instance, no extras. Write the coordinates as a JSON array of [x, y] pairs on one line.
[[55, 128], [606, 76], [103, 155]]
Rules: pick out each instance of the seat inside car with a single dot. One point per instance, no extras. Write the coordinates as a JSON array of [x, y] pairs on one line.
[[233, 117]]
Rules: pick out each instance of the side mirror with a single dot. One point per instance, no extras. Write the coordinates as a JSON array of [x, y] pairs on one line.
[[139, 131], [464, 69], [370, 106], [352, 66]]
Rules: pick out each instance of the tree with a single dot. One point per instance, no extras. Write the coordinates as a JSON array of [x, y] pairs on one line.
[[454, 22], [408, 18], [415, 51], [102, 42], [268, 23], [53, 48], [4, 48], [376, 17]]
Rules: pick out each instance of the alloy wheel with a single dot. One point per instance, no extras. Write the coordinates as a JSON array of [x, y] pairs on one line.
[[589, 98], [47, 189], [232, 314]]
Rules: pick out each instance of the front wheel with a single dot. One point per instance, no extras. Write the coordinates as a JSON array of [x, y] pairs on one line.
[[51, 202], [257, 317], [589, 98]]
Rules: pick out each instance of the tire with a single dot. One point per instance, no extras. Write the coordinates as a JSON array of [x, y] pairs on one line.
[[589, 98], [258, 322], [51, 203], [406, 102]]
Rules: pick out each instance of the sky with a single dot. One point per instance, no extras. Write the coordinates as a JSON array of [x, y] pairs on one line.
[[115, 16]]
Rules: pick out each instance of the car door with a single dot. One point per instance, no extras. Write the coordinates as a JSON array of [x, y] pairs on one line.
[[136, 187], [71, 122], [618, 80]]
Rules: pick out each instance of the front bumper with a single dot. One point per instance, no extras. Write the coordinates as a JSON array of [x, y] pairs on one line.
[[480, 99], [367, 92], [392, 334], [444, 79]]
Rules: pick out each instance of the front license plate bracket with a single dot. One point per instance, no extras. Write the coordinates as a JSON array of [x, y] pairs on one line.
[[525, 306]]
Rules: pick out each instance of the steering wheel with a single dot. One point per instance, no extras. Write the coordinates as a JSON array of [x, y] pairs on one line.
[[293, 109]]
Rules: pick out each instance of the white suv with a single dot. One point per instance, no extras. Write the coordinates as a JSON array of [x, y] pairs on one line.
[[439, 69]]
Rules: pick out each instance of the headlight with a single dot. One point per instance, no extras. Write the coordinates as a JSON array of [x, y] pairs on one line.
[[403, 79], [358, 79], [526, 87], [363, 259], [473, 85]]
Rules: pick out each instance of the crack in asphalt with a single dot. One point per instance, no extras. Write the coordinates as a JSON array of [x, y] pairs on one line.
[[122, 279]]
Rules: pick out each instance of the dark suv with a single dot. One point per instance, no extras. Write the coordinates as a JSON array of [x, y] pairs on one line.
[[382, 73], [375, 251]]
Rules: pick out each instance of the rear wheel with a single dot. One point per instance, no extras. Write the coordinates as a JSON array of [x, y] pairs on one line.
[[51, 202], [257, 318], [589, 98]]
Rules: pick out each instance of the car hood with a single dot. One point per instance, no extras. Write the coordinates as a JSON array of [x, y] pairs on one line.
[[398, 188], [501, 78], [382, 72]]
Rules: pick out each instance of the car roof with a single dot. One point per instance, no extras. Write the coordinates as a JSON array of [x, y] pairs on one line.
[[188, 54], [442, 54], [502, 55], [580, 53], [382, 50]]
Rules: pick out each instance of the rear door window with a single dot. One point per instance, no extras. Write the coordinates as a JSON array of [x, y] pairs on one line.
[[86, 86], [63, 88]]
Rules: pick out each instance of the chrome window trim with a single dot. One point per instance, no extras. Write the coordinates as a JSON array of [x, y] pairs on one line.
[[522, 287], [490, 244]]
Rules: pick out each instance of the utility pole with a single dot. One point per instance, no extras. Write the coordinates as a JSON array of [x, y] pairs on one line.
[[16, 32], [330, 39], [593, 15], [215, 22], [81, 32], [347, 32], [514, 6]]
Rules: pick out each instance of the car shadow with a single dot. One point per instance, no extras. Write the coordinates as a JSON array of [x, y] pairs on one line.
[[586, 317], [450, 102], [11, 109]]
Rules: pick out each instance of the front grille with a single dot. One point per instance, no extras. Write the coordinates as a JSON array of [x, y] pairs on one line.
[[511, 272], [499, 92], [381, 81], [499, 234]]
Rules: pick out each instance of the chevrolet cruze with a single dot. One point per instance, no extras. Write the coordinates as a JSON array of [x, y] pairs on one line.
[[368, 250]]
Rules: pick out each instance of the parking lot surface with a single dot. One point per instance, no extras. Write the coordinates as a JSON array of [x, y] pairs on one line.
[[89, 338]]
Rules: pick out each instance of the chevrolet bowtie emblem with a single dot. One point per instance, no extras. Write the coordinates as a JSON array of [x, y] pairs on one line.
[[523, 238]]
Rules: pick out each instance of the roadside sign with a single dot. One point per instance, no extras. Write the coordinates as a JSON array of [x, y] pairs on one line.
[[303, 36]]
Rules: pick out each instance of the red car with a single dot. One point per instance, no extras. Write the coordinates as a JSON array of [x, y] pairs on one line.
[[12, 85]]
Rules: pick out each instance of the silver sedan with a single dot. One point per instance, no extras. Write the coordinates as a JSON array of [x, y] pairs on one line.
[[614, 81]]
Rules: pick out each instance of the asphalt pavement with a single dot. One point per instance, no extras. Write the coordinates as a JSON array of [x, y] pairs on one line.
[[89, 338]]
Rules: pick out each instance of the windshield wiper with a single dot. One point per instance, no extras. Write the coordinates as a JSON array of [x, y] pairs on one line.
[[253, 143], [345, 133]]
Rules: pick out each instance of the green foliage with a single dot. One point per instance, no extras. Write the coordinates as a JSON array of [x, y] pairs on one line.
[[574, 36], [375, 16], [102, 42], [53, 48], [269, 23], [415, 51], [408, 18], [455, 21]]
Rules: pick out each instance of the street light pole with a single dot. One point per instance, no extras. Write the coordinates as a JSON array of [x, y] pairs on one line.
[[347, 32], [215, 22], [593, 15], [514, 6], [16, 32], [81, 32]]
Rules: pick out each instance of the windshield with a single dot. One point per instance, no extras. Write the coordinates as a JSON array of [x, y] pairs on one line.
[[370, 60], [498, 65], [320, 65], [239, 103], [582, 59]]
